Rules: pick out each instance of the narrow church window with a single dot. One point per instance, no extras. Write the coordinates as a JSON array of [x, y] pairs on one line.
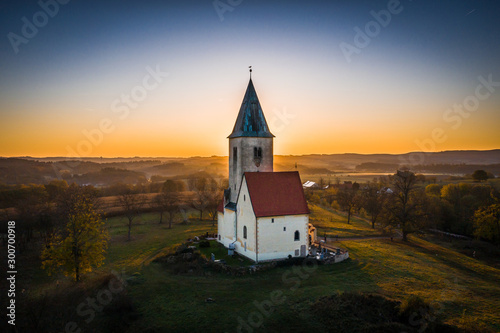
[[297, 235], [245, 232], [257, 152], [244, 197], [284, 228], [272, 220], [235, 155]]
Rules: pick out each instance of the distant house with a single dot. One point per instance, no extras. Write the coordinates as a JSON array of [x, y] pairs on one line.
[[310, 185], [264, 214]]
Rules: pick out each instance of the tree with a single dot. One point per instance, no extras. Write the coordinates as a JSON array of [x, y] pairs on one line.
[[330, 194], [131, 204], [372, 200], [405, 205], [487, 223], [346, 198], [55, 189], [168, 201], [30, 206], [433, 189], [464, 200], [480, 175], [214, 196], [207, 194], [81, 245]]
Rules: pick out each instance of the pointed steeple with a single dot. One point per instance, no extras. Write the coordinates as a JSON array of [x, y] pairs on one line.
[[251, 121]]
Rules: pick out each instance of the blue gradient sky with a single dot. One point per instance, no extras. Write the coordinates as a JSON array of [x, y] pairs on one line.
[[389, 98]]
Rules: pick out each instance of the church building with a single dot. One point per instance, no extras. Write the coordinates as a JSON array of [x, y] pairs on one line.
[[264, 214]]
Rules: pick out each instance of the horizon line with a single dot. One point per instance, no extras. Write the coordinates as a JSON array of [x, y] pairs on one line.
[[216, 156]]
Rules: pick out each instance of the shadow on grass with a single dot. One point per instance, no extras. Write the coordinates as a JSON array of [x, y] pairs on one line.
[[448, 260]]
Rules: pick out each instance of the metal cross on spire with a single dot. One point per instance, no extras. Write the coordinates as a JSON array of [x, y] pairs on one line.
[[250, 71]]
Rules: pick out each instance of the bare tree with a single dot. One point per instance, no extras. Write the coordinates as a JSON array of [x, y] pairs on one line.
[[347, 198], [131, 205], [200, 201], [207, 194], [168, 201], [405, 204], [372, 200], [214, 196]]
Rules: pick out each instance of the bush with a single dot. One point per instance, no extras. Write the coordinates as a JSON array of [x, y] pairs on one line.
[[204, 244], [415, 309]]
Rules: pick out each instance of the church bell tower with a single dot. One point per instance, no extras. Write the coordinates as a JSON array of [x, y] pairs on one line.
[[250, 143]]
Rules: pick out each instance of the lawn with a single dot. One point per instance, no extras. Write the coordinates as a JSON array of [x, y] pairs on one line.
[[452, 281], [334, 223], [149, 239], [220, 252]]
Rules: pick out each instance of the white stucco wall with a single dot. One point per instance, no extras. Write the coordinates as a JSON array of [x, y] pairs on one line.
[[225, 226], [246, 218], [276, 240], [266, 240]]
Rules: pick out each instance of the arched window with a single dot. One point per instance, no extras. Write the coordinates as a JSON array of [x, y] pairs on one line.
[[297, 235], [245, 232]]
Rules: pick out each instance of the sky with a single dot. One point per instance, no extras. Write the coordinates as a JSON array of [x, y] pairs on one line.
[[166, 78]]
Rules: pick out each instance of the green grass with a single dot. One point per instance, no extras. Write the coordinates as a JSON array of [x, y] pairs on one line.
[[334, 223], [220, 252], [453, 281], [434, 272], [148, 239]]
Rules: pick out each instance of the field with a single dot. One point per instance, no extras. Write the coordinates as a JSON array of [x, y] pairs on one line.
[[457, 285]]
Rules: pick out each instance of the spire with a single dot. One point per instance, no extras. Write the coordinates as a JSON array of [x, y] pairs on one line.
[[251, 121]]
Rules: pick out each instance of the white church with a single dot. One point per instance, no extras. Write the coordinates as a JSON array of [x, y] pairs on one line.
[[264, 214]]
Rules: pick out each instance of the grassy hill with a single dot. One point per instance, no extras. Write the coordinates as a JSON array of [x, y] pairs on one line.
[[157, 299]]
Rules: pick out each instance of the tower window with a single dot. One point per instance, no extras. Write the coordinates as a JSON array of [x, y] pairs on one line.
[[245, 232], [284, 228], [235, 155], [257, 152], [272, 220], [296, 235]]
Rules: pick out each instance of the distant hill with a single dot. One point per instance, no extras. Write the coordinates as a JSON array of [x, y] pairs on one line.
[[25, 170]]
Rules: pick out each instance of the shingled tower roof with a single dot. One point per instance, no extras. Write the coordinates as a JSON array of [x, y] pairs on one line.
[[251, 121]]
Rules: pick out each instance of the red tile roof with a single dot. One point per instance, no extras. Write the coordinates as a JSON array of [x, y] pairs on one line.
[[276, 193]]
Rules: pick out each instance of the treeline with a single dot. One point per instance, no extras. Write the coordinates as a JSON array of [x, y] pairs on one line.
[[41, 210], [464, 169], [377, 167], [398, 202]]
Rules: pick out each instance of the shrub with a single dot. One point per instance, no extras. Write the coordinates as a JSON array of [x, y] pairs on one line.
[[415, 309], [204, 244]]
